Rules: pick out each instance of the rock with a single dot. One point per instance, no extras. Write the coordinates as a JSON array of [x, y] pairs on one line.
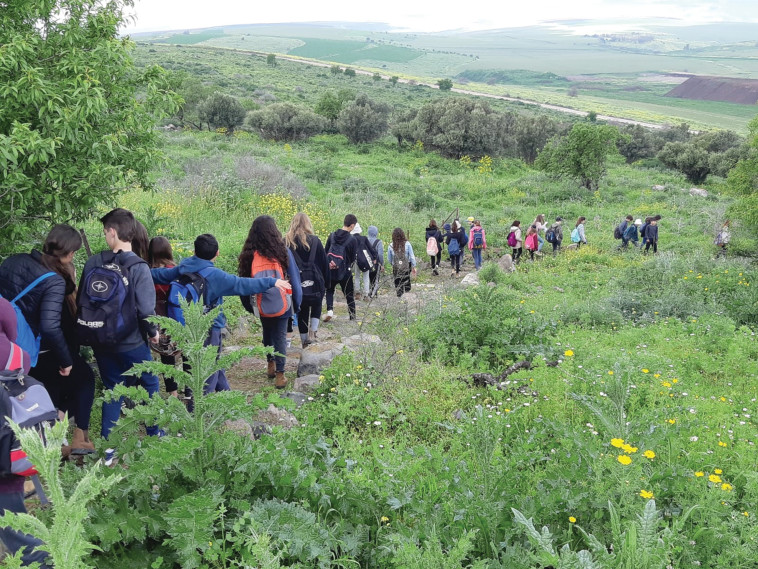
[[659, 188], [316, 357], [471, 279], [297, 397], [698, 192], [357, 341], [306, 383], [275, 417], [559, 289], [230, 349], [239, 427], [506, 263]]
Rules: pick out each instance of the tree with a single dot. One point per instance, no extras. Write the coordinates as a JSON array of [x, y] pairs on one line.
[[271, 60], [531, 134], [221, 111], [76, 117], [193, 91], [743, 183], [394, 79], [581, 154], [363, 120], [636, 143], [377, 77], [285, 121], [335, 70], [349, 72], [445, 84]]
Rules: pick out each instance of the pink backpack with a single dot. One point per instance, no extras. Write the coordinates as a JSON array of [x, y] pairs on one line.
[[531, 242]]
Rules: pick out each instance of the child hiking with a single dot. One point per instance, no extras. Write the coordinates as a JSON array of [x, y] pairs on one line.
[[403, 262], [477, 242]]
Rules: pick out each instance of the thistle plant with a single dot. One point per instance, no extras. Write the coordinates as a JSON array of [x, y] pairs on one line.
[[63, 537]]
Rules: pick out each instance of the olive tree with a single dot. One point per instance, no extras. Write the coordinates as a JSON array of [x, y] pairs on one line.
[[363, 120], [77, 117], [221, 111]]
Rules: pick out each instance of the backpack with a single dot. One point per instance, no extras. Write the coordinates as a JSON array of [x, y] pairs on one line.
[[478, 238], [311, 279], [25, 337], [366, 257], [400, 264], [190, 287], [531, 242], [26, 401], [274, 302], [454, 247], [719, 239], [575, 235], [550, 236], [432, 247], [336, 257], [617, 234], [512, 241], [106, 310]]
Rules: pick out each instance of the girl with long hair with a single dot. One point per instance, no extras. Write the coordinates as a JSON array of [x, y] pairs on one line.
[[402, 260], [517, 241], [310, 257], [264, 240], [577, 235], [140, 243], [541, 224], [434, 232]]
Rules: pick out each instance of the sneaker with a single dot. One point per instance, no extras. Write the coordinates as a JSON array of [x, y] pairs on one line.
[[110, 456], [435, 272], [329, 315]]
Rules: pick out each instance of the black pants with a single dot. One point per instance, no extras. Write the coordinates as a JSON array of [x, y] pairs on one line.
[[373, 277], [436, 260], [556, 247], [73, 394], [16, 540], [455, 262], [654, 244], [402, 283], [346, 285], [517, 254], [309, 308]]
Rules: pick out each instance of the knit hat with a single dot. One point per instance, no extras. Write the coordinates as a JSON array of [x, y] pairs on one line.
[[447, 227], [356, 230], [373, 232], [637, 222]]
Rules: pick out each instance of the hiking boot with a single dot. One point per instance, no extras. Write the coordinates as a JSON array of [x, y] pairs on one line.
[[329, 315], [435, 272], [271, 369], [281, 381], [357, 296], [81, 444]]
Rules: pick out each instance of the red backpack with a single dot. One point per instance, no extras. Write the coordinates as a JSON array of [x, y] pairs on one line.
[[531, 242], [274, 302]]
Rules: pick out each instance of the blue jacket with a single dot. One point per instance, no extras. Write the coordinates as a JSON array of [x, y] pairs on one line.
[[631, 233], [221, 283]]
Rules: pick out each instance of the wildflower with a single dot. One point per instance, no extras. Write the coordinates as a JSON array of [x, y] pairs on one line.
[[572, 519], [699, 474], [649, 454], [715, 479], [377, 423], [618, 443], [722, 444], [656, 375], [610, 372], [671, 421], [644, 370], [568, 353], [726, 487], [628, 449], [645, 494], [717, 470], [623, 459], [745, 514]]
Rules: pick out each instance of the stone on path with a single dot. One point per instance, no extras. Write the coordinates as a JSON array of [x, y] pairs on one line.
[[277, 417], [306, 383], [317, 357], [506, 263], [698, 192], [659, 188], [471, 279]]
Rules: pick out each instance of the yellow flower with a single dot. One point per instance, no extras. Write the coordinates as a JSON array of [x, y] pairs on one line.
[[568, 353], [572, 519], [726, 487], [672, 421], [618, 443], [384, 519], [649, 454], [623, 459], [745, 514], [610, 372], [715, 479], [645, 370], [718, 470], [628, 449], [722, 444], [645, 494], [699, 474]]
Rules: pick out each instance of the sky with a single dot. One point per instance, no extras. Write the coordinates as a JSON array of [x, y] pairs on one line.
[[431, 15]]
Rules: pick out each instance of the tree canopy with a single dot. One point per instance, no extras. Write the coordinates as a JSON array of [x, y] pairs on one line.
[[76, 117]]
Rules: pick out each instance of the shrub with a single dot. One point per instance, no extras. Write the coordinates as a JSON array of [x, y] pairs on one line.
[[285, 121]]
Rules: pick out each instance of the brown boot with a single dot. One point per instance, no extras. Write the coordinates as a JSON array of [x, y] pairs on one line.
[[281, 381], [81, 443], [271, 369]]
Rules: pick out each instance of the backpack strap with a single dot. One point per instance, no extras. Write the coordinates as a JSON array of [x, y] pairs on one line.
[[15, 357], [31, 285], [204, 273]]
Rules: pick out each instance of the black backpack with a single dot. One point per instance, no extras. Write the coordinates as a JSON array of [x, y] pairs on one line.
[[311, 279], [367, 257], [400, 264], [336, 256], [550, 236], [617, 232], [106, 311]]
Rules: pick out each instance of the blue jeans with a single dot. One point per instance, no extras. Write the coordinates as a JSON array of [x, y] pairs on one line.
[[541, 242], [477, 254], [275, 335], [112, 365], [217, 381], [16, 540]]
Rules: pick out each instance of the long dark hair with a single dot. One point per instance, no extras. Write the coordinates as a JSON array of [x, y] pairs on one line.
[[159, 252], [62, 240], [581, 219], [398, 240], [264, 239], [140, 241]]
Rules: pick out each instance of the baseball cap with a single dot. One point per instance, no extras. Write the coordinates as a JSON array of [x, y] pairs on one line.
[[469, 218]]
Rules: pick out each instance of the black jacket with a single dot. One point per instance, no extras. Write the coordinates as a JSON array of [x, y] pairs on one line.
[[42, 305], [347, 240], [436, 233], [459, 236], [320, 260]]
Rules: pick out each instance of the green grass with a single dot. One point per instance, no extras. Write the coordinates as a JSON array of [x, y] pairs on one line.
[[352, 51]]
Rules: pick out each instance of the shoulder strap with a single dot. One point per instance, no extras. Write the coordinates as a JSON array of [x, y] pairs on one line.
[[33, 284]]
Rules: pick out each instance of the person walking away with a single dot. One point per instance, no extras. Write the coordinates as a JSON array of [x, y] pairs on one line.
[[455, 241], [620, 229], [477, 242], [378, 245], [530, 242], [310, 257], [263, 254], [631, 234], [340, 254], [402, 260], [577, 235], [141, 242], [160, 255], [722, 239], [651, 236], [74, 394], [541, 225], [362, 279], [643, 230], [515, 241], [554, 235], [434, 245]]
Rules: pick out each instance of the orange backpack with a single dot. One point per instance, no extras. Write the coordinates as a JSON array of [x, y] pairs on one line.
[[274, 302]]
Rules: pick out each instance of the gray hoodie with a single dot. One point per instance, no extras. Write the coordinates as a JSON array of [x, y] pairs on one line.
[[373, 238]]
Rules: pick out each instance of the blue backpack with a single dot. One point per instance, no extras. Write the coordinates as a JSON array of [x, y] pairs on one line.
[[190, 287], [454, 247], [25, 337], [106, 311], [478, 238]]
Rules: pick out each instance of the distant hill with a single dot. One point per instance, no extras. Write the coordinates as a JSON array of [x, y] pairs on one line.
[[726, 89]]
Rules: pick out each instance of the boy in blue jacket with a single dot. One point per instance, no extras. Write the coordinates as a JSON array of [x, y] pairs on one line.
[[220, 284]]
